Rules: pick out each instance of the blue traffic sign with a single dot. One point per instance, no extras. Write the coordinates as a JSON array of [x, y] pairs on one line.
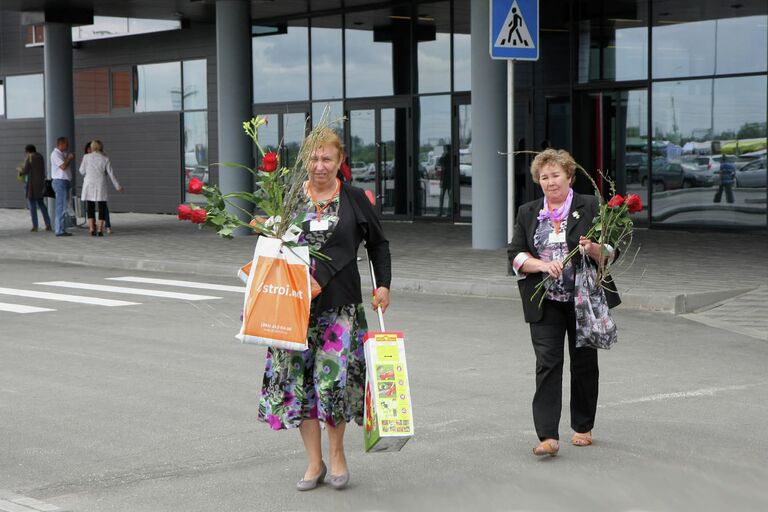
[[515, 29]]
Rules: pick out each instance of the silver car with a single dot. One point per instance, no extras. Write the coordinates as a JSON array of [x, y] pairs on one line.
[[752, 175]]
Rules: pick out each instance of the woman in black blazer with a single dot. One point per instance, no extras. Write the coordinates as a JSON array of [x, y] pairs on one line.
[[546, 230], [325, 383]]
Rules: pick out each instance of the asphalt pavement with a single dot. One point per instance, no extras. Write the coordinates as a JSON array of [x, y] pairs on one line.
[[151, 407]]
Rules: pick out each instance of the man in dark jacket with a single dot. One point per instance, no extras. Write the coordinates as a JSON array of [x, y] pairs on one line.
[[34, 170]]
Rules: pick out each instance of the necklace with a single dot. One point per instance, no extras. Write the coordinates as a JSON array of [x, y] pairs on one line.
[[320, 209]]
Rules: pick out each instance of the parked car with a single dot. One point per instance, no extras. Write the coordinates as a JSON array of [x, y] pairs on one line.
[[633, 162], [358, 169], [658, 163], [752, 175], [368, 174], [667, 177]]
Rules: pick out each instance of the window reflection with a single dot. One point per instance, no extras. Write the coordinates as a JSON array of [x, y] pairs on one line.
[[157, 87], [327, 81], [195, 85], [24, 96], [281, 66], [705, 133], [375, 42], [2, 99], [716, 46], [433, 33], [195, 151], [612, 40], [462, 51], [434, 194]]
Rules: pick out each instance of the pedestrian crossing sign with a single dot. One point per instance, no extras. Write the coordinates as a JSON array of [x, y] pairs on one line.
[[514, 29]]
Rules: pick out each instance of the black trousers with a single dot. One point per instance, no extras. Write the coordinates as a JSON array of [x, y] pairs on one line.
[[90, 209], [548, 337]]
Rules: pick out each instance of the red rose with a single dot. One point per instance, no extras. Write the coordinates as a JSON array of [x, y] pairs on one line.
[[198, 216], [269, 162], [195, 186], [616, 200], [185, 212], [634, 204]]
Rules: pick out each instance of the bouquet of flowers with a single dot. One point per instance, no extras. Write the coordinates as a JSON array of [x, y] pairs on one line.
[[277, 200], [612, 225]]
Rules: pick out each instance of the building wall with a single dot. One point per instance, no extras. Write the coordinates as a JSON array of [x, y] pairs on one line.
[[146, 148]]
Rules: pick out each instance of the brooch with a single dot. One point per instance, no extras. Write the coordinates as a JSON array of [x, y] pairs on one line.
[[576, 215]]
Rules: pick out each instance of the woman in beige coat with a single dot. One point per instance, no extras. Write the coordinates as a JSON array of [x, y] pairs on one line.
[[96, 166]]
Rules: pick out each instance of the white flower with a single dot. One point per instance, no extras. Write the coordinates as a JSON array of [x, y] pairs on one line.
[[576, 215]]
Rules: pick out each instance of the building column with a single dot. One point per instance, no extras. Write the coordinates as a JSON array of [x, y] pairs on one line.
[[234, 83], [59, 96], [489, 137]]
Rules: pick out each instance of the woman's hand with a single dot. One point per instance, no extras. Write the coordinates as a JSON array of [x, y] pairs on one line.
[[381, 299], [553, 268], [315, 286], [590, 248]]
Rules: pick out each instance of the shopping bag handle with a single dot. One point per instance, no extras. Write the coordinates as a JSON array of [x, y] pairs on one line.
[[373, 280]]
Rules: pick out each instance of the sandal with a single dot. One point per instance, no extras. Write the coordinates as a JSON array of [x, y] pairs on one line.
[[547, 447], [582, 439]]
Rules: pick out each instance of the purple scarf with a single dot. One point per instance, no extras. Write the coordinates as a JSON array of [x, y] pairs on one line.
[[558, 214]]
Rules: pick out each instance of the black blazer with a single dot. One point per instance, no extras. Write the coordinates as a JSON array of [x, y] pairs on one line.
[[522, 241], [339, 276]]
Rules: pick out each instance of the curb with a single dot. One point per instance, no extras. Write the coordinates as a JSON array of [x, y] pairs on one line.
[[676, 304]]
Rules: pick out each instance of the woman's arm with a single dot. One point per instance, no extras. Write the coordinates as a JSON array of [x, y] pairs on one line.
[[111, 173]]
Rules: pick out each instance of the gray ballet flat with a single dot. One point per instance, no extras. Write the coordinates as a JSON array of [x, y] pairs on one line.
[[308, 485], [339, 482]]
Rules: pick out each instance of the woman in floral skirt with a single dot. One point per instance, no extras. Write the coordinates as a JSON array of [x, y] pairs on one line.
[[326, 382]]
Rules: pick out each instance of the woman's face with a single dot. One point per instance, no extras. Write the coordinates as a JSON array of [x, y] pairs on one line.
[[323, 165], [554, 182]]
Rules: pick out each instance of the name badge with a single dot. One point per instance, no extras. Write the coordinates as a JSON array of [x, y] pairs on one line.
[[557, 238], [318, 225]]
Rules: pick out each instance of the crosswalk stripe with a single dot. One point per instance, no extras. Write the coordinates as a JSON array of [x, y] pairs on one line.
[[10, 502], [130, 291], [66, 298], [181, 284], [18, 308]]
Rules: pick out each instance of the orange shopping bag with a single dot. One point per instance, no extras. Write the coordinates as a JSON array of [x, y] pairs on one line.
[[277, 296]]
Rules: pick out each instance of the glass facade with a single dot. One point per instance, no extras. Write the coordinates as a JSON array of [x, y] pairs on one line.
[[157, 87], [281, 65], [2, 99]]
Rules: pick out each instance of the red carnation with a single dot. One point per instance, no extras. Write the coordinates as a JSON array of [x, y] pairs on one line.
[[195, 186], [198, 216], [269, 162], [185, 212], [616, 200], [634, 204]]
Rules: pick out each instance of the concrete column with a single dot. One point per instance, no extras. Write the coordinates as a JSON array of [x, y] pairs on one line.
[[234, 82], [489, 137], [59, 96]]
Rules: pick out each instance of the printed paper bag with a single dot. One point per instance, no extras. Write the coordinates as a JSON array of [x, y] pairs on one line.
[[277, 296], [388, 423]]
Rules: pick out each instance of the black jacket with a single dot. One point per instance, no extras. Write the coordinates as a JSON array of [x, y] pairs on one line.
[[522, 241], [339, 276]]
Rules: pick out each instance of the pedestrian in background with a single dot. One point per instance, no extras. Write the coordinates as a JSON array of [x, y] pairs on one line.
[[326, 383], [33, 170], [727, 176], [546, 230], [96, 166], [61, 179], [107, 221]]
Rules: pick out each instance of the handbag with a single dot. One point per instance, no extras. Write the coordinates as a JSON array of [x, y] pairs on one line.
[[48, 189], [594, 326]]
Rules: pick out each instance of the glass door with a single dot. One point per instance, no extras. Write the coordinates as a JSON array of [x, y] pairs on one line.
[[284, 132], [462, 161], [614, 126], [379, 158]]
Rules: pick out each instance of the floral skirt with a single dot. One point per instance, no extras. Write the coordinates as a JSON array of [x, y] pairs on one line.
[[325, 382]]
